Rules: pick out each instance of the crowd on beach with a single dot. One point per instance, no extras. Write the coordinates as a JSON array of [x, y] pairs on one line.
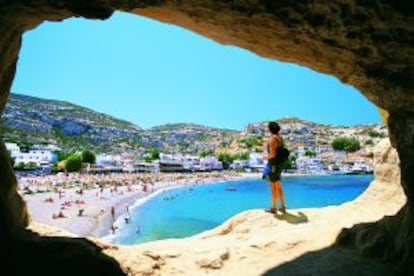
[[113, 181], [88, 204]]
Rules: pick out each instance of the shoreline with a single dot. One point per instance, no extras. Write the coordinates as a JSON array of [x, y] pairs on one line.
[[96, 219]]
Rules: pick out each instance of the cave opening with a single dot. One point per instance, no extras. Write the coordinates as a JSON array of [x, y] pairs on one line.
[[375, 58], [114, 66]]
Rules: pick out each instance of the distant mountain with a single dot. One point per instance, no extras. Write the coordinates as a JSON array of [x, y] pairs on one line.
[[34, 120]]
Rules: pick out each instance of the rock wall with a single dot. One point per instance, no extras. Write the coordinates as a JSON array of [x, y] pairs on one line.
[[367, 44]]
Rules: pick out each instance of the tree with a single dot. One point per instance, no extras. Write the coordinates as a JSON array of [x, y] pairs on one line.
[[346, 144], [252, 141], [225, 158], [148, 159], [73, 163], [155, 153], [291, 163], [310, 153], [205, 153], [31, 165], [372, 133], [61, 155], [241, 156], [19, 166], [88, 156]]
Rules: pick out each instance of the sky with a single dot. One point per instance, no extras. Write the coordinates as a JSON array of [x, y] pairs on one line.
[[151, 73]]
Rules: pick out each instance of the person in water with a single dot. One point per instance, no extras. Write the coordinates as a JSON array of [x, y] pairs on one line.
[[274, 173]]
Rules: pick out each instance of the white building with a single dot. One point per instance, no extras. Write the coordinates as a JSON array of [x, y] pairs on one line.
[[13, 148], [308, 164], [256, 161], [211, 163], [40, 157], [239, 164], [108, 160]]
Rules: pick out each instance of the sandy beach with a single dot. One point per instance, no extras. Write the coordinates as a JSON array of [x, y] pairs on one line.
[[88, 206]]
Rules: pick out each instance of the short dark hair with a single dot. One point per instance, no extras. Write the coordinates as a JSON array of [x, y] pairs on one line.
[[274, 127]]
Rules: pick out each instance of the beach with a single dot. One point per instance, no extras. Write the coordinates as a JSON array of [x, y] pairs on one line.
[[89, 205]]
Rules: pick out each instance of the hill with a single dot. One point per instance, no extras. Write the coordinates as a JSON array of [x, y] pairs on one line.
[[31, 120]]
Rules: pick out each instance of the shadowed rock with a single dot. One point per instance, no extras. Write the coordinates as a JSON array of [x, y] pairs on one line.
[[367, 44]]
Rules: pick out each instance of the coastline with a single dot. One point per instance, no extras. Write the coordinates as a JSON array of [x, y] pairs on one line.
[[258, 243], [96, 219]]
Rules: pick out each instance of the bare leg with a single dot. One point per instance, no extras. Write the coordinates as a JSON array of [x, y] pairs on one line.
[[281, 196], [273, 197], [274, 194]]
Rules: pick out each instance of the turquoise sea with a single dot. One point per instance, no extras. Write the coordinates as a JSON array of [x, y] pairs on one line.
[[189, 210]]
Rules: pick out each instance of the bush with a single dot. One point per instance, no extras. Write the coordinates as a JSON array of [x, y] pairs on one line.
[[225, 158], [88, 156], [346, 144], [73, 163], [372, 133], [310, 153]]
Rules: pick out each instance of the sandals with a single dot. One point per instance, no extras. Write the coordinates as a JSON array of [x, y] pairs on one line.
[[274, 210], [271, 210]]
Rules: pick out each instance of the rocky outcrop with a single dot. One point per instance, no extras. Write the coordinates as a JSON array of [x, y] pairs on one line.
[[367, 44], [258, 243]]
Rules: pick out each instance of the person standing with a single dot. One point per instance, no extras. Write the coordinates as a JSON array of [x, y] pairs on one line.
[[113, 212], [274, 174]]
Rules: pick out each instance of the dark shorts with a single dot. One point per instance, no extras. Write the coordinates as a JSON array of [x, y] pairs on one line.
[[275, 173]]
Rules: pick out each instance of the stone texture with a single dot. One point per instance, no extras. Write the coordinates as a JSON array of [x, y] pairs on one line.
[[367, 44], [301, 242]]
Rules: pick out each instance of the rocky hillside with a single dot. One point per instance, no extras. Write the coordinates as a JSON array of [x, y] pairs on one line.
[[299, 132], [190, 138], [33, 120]]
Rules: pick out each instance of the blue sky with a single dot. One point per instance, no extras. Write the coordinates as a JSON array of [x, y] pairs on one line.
[[151, 73]]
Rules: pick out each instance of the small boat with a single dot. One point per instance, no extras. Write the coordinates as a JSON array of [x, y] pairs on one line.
[[231, 189]]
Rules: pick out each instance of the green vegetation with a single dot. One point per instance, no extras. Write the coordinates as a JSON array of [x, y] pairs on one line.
[[369, 142], [252, 141], [310, 153], [346, 144], [154, 153], [25, 166], [104, 134], [88, 156], [73, 163], [374, 134], [205, 153], [202, 136], [228, 158], [61, 155], [370, 155], [290, 163], [241, 156], [225, 158]]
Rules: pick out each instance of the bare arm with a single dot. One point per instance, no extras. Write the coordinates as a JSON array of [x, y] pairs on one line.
[[273, 143]]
